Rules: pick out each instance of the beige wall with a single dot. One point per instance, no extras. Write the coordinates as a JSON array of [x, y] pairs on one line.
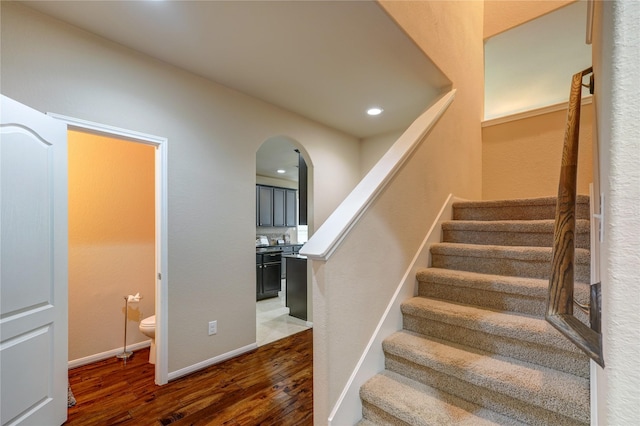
[[450, 34], [373, 148], [213, 134], [521, 158], [111, 241], [501, 15]]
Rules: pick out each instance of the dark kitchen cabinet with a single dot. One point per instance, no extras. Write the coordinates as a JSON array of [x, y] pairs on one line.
[[275, 206], [268, 275], [290, 208], [279, 206], [286, 251], [302, 188], [264, 205], [296, 288]]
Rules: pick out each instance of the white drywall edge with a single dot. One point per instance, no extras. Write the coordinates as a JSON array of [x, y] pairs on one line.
[[560, 106], [327, 238], [348, 408]]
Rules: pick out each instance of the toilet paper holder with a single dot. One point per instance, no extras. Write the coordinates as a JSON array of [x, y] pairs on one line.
[[125, 354]]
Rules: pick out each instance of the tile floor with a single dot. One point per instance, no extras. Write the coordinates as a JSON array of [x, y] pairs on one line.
[[273, 321]]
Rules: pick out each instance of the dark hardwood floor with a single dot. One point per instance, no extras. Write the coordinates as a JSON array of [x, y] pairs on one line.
[[269, 386]]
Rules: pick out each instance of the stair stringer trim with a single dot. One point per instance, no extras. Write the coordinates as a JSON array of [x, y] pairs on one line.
[[348, 408]]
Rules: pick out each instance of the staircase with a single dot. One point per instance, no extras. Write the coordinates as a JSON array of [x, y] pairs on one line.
[[475, 348]]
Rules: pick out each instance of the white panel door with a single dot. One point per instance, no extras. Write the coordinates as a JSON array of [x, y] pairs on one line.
[[33, 267]]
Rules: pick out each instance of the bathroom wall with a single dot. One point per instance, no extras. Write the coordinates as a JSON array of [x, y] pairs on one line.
[[111, 241]]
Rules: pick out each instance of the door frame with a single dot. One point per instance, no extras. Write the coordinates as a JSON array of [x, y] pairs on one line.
[[161, 210]]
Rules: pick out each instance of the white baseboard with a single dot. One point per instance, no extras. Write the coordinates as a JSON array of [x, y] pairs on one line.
[[108, 354], [348, 408], [211, 361]]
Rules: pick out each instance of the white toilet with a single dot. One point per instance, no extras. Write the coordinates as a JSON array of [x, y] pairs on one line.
[[148, 328]]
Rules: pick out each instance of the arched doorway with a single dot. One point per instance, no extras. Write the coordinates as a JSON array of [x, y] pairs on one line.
[[282, 166]]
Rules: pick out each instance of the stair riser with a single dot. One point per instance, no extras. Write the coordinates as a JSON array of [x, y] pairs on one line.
[[380, 417], [506, 267], [485, 299], [509, 238], [522, 212], [569, 362], [511, 302], [497, 402]]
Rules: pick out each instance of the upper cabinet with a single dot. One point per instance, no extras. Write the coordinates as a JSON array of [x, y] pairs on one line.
[[290, 208], [275, 206], [264, 205], [279, 201]]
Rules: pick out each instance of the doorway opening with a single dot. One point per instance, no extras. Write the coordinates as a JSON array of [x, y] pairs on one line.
[[117, 234], [283, 212]]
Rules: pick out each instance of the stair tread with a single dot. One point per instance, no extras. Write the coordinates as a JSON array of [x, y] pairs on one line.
[[544, 387], [523, 208], [525, 261], [526, 226], [420, 404], [365, 422], [506, 324], [503, 252], [532, 287], [537, 201]]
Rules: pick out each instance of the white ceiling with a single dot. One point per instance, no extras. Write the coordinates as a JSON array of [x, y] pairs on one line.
[[277, 153], [330, 60], [325, 60]]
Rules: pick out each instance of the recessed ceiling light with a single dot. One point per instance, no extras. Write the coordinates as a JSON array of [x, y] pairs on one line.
[[281, 171], [374, 111]]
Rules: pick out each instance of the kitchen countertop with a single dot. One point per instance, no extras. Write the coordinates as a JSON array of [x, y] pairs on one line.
[[295, 256], [270, 249], [275, 248]]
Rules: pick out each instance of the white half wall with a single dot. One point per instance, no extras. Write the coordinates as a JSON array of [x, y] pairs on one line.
[[348, 409]]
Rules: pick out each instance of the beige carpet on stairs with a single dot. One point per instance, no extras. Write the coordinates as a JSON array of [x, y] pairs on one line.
[[475, 348]]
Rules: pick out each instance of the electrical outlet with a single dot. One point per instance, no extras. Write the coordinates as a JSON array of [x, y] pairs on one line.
[[213, 327]]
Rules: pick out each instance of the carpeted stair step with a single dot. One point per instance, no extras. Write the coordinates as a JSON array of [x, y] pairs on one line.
[[522, 337], [519, 209], [475, 348], [531, 262], [392, 399], [504, 293], [537, 233], [526, 392], [365, 422]]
